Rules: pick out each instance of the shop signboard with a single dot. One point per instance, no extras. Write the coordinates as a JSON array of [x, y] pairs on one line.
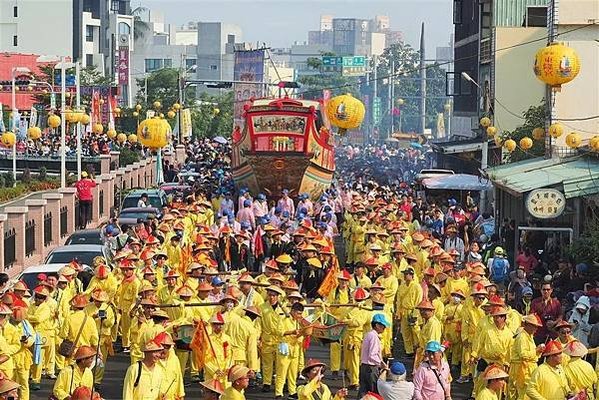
[[545, 203]]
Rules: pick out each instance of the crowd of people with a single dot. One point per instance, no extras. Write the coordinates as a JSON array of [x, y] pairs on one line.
[[229, 290]]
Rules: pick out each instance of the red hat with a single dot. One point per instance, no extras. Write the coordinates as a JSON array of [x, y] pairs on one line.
[[552, 347], [344, 275], [387, 266], [360, 294], [171, 274], [102, 272], [217, 318], [42, 277]]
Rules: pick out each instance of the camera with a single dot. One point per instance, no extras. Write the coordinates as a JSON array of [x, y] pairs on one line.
[[412, 321], [102, 314]]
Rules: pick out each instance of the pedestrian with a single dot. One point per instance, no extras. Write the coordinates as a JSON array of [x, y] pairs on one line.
[[524, 355], [548, 380], [580, 373], [144, 379], [239, 376], [371, 359], [399, 388], [494, 377], [549, 309], [8, 389], [213, 389], [315, 389], [143, 201], [432, 377], [75, 375], [85, 187]]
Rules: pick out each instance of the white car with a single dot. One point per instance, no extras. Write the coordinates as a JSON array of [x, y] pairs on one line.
[[30, 274]]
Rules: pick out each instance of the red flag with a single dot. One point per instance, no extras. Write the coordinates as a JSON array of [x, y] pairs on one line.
[[258, 244], [200, 344], [330, 279]]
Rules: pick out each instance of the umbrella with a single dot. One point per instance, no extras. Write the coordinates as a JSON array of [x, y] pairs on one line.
[[416, 145], [220, 139], [457, 182]]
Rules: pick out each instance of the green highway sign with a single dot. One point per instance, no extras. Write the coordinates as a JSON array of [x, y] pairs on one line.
[[346, 66], [376, 110]]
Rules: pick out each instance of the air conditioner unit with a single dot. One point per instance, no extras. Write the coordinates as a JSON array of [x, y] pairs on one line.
[[124, 39]]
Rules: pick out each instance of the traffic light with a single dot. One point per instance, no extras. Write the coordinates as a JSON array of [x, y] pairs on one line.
[[288, 85], [219, 85]]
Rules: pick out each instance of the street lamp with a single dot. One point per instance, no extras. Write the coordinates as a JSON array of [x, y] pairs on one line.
[[400, 103], [182, 75], [63, 65], [15, 118], [448, 107]]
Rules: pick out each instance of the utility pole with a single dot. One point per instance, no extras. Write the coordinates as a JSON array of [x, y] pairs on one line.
[[422, 82], [63, 124], [392, 97], [78, 125], [374, 98]]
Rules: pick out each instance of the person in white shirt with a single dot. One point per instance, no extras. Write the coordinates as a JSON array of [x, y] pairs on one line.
[[143, 201], [398, 388]]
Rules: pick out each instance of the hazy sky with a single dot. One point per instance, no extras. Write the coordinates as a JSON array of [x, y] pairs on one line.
[[281, 22]]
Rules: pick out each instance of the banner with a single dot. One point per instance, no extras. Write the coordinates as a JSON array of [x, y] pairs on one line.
[[186, 128], [33, 116], [249, 66], [2, 127], [123, 66]]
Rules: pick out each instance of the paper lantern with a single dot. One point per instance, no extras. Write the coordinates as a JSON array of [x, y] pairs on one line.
[[170, 114], [71, 117], [121, 138], [491, 131], [526, 143], [153, 133], [510, 145], [538, 133], [157, 104], [132, 138], [345, 112], [117, 110], [573, 140], [138, 107], [34, 133], [97, 128], [485, 122], [53, 121], [8, 139], [556, 130], [498, 141], [594, 143], [556, 64], [216, 111], [400, 102], [176, 106], [135, 114], [111, 133], [84, 119]]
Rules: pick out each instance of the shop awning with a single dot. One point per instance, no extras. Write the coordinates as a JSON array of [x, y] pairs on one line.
[[578, 176], [457, 182]]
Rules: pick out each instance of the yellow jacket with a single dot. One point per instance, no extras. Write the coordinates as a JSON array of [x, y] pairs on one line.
[[69, 379], [431, 330], [439, 308], [221, 344], [487, 394], [244, 341], [307, 391], [232, 394], [42, 318], [581, 376], [270, 321], [110, 285], [72, 325], [408, 297], [452, 323], [391, 284], [127, 294], [547, 383], [173, 380], [107, 323], [167, 295], [150, 382], [23, 358], [493, 345], [363, 282], [10, 344], [339, 297], [471, 315]]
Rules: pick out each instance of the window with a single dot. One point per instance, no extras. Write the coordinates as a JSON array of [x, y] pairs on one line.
[[190, 62], [456, 85], [457, 12], [115, 6], [153, 64], [214, 67], [124, 28], [168, 63], [89, 33], [536, 16], [15, 41], [15, 11], [89, 60]]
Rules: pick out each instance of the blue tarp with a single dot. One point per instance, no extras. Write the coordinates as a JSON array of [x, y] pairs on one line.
[[457, 182]]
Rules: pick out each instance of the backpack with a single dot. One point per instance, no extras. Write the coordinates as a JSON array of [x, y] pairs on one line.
[[499, 271]]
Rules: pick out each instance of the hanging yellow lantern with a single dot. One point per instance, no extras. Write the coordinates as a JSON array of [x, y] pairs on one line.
[[526, 143], [345, 112], [491, 131], [498, 141], [153, 133], [538, 133], [8, 139], [117, 110], [170, 114], [157, 104], [594, 143], [573, 140], [138, 107], [84, 119], [71, 117], [216, 111], [111, 134], [53, 121], [510, 145], [135, 114], [485, 122], [556, 130], [132, 138], [161, 115], [176, 106], [121, 138], [556, 64], [34, 133], [97, 128]]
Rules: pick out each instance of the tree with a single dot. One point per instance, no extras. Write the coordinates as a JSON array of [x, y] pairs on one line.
[[213, 115], [534, 117], [140, 27], [407, 87], [162, 86]]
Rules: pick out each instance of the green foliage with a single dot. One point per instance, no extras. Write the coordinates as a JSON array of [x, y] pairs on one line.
[[534, 117], [407, 87], [312, 85], [127, 156], [43, 174], [9, 180], [163, 86], [206, 122], [26, 176], [585, 249]]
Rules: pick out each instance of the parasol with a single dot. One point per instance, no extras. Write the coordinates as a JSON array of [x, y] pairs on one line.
[[220, 139]]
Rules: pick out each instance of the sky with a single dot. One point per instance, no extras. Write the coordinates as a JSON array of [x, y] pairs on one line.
[[279, 23]]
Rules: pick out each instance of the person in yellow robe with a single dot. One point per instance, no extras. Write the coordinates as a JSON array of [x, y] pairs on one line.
[[580, 374], [244, 340], [10, 342], [173, 388], [340, 295], [125, 299], [290, 336], [220, 360], [524, 356], [356, 319], [79, 321], [409, 295], [472, 313], [103, 279], [105, 317], [41, 315], [23, 359], [452, 327], [548, 381], [390, 283], [144, 379], [359, 278], [239, 376], [272, 313], [75, 375], [315, 389], [494, 377], [431, 329]]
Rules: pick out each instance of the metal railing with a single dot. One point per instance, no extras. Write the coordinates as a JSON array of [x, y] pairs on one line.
[[10, 248], [101, 203], [29, 237], [47, 228], [77, 214], [63, 221]]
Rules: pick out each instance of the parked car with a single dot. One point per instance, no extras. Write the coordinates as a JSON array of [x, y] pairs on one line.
[[86, 236], [83, 253], [130, 216], [29, 275], [172, 188], [156, 197]]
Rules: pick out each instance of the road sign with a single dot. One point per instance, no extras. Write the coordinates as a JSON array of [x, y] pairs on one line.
[[376, 110], [346, 66]]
